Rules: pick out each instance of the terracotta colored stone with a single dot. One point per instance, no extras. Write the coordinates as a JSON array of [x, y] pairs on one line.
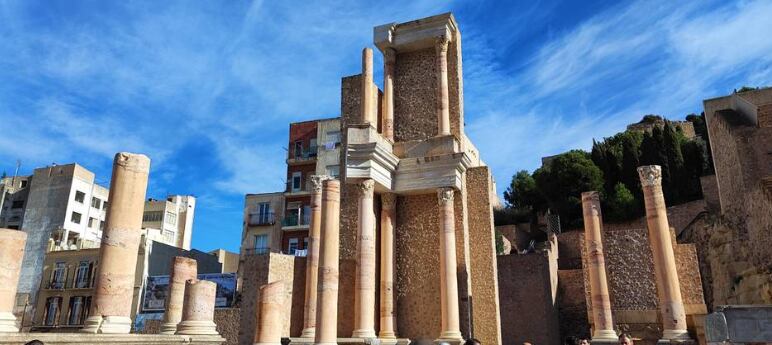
[[448, 283], [272, 297], [364, 301], [668, 287], [198, 312], [183, 269], [388, 221], [443, 102], [11, 254], [312, 259], [601, 303], [111, 309], [389, 57]]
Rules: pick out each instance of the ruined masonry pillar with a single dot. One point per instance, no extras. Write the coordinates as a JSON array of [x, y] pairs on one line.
[[312, 259], [364, 298], [11, 254], [388, 220], [448, 283], [327, 303], [668, 288], [183, 269], [443, 103], [601, 304], [111, 309], [272, 298], [389, 58], [368, 99], [198, 312]]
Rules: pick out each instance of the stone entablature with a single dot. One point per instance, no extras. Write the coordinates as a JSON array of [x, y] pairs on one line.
[[414, 35]]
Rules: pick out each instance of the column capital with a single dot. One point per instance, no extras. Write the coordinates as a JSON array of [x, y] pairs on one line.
[[591, 196], [365, 188], [441, 43], [317, 181], [389, 56], [388, 201], [651, 175], [445, 195]]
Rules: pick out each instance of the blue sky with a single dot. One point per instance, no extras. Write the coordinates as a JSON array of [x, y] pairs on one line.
[[207, 88]]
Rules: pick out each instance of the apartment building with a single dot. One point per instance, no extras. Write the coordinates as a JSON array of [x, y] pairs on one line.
[[13, 197], [170, 221], [279, 221]]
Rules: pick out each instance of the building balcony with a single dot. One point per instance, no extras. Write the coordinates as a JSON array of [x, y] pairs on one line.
[[293, 190], [293, 222], [257, 251], [260, 219], [303, 157]]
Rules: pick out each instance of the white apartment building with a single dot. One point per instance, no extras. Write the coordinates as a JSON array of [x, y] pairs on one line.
[[170, 221]]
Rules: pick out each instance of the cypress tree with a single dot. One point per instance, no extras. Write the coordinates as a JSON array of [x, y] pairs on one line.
[[675, 162], [630, 164]]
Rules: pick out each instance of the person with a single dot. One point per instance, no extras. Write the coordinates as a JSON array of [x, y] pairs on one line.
[[584, 341], [570, 340], [625, 339], [472, 341]]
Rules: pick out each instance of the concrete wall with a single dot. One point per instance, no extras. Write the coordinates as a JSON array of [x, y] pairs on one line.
[[327, 157]]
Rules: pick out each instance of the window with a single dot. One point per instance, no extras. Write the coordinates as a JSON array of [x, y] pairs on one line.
[[305, 242], [333, 139], [17, 204], [312, 148], [168, 236], [92, 222], [77, 311], [80, 196], [297, 179], [152, 216], [104, 205], [293, 246], [102, 225], [171, 218], [96, 203], [264, 213], [53, 307], [58, 276], [23, 183], [83, 275], [261, 244], [75, 218], [298, 149], [333, 170]]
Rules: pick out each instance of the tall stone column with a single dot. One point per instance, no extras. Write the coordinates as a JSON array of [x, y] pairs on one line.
[[671, 306], [111, 309], [11, 254], [312, 259], [389, 58], [327, 303], [443, 102], [272, 298], [364, 298], [198, 312], [388, 222], [448, 284], [183, 269], [593, 240], [368, 99]]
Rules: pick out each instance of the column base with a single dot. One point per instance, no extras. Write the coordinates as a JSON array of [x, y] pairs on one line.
[[8, 323], [676, 336], [309, 332], [605, 336], [107, 325], [387, 335], [452, 338], [197, 328], [363, 333], [168, 328], [279, 343]]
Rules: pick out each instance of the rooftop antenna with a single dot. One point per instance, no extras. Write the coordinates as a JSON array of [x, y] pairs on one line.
[[16, 172]]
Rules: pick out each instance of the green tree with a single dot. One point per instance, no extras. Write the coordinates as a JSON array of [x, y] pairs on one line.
[[673, 186], [622, 205], [630, 164], [562, 182], [522, 192], [701, 129], [499, 243]]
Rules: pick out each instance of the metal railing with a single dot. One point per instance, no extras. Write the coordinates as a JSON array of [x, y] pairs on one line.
[[262, 218], [257, 251], [294, 220], [308, 153]]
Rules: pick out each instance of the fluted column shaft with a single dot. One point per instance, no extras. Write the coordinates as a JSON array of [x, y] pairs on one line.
[[443, 102], [593, 240], [272, 298], [368, 99], [388, 222], [182, 270], [198, 311], [668, 287], [389, 58], [448, 276], [312, 258], [11, 255], [364, 298], [327, 302], [111, 309]]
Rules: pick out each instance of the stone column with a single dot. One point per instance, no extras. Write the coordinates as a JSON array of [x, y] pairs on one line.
[[312, 259], [389, 58], [198, 312], [272, 298], [368, 99], [327, 303], [388, 222], [443, 102], [448, 276], [593, 240], [11, 254], [111, 309], [364, 298], [183, 269], [668, 288]]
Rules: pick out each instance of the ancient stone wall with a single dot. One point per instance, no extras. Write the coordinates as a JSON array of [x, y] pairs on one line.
[[463, 259], [570, 246], [572, 305], [528, 311], [228, 321], [415, 97], [456, 86], [482, 243], [710, 193]]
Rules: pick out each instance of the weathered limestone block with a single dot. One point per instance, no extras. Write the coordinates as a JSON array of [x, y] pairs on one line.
[[272, 298], [183, 269], [198, 312]]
